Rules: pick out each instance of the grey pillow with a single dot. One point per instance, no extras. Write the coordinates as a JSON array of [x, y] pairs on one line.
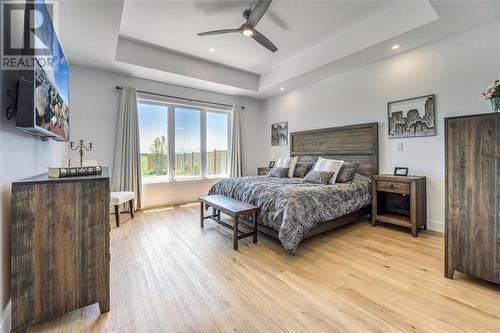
[[301, 169], [279, 172], [347, 172], [318, 177]]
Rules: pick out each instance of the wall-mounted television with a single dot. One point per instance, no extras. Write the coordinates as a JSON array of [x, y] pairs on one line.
[[43, 90]]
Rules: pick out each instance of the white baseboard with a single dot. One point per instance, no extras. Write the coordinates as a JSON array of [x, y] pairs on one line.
[[435, 226], [6, 319]]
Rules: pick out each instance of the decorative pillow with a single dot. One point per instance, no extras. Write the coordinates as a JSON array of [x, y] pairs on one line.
[[288, 162], [347, 172], [283, 162], [334, 166], [318, 177], [293, 164], [301, 169], [279, 172]]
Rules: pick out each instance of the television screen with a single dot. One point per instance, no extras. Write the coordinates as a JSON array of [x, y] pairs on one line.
[[51, 72], [43, 86]]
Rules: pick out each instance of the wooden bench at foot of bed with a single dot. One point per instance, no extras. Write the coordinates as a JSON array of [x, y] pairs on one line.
[[233, 208]]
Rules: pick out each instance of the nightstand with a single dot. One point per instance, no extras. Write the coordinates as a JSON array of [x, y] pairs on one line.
[[263, 171], [400, 200]]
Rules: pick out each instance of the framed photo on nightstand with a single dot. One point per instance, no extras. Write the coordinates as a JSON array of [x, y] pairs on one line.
[[400, 171]]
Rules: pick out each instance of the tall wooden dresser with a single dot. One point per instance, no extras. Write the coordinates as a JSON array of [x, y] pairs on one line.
[[472, 228], [60, 246]]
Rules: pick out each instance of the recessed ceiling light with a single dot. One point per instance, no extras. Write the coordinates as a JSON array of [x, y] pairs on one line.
[[395, 47], [212, 49], [282, 89]]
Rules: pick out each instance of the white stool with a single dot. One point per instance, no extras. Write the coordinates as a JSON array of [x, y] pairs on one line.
[[118, 198]]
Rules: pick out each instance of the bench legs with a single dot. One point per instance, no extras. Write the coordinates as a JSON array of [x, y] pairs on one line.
[[237, 235], [117, 212], [117, 215], [255, 228], [202, 214]]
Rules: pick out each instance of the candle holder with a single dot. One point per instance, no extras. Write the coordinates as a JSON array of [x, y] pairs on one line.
[[80, 146]]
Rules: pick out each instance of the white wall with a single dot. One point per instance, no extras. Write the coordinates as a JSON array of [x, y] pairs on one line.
[[94, 108], [22, 156], [456, 69], [93, 117]]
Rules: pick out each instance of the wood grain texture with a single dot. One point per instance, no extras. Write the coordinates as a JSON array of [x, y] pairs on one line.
[[169, 275], [473, 200], [263, 171], [60, 248], [400, 200], [227, 205], [353, 143]]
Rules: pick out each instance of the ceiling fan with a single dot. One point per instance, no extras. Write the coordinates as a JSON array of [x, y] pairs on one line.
[[247, 29]]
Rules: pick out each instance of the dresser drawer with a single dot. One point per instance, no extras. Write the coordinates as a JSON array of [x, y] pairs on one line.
[[393, 187]]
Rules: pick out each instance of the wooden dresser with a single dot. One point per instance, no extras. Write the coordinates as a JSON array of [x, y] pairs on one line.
[[472, 230], [60, 246], [400, 200]]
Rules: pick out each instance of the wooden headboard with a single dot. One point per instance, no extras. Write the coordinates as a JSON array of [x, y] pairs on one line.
[[353, 143]]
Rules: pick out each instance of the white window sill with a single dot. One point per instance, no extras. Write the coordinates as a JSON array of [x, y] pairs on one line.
[[155, 179], [165, 179], [216, 176]]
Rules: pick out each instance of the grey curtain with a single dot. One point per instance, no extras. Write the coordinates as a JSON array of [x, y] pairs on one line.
[[127, 165], [235, 168]]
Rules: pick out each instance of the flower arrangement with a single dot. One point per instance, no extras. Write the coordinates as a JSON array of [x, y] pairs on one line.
[[493, 94]]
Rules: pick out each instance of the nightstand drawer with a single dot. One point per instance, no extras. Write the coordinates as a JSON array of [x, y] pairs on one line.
[[263, 171], [393, 187]]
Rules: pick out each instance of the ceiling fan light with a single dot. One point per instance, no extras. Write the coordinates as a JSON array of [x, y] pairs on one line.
[[247, 32]]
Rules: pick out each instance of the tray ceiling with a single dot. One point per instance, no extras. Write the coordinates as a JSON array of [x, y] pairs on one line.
[[316, 39]]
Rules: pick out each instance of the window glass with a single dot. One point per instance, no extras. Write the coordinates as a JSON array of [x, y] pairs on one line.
[[153, 139], [187, 142], [217, 143]]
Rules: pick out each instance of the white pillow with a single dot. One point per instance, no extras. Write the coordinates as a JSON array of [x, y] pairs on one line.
[[289, 162], [334, 166], [283, 162], [293, 163]]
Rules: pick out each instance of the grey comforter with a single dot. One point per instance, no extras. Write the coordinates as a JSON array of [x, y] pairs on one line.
[[293, 207]]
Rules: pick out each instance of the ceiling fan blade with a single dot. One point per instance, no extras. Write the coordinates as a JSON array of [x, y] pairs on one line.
[[218, 32], [262, 40], [258, 11]]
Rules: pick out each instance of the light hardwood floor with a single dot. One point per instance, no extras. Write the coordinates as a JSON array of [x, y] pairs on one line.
[[168, 275]]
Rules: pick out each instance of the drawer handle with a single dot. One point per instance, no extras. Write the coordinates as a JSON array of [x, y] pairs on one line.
[[391, 186]]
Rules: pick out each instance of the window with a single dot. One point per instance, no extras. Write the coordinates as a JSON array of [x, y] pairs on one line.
[[217, 143], [182, 142], [153, 125], [187, 142]]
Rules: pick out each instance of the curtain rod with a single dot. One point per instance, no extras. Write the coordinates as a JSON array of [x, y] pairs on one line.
[[182, 98]]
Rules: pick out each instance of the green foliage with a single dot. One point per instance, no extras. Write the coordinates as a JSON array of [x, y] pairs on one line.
[[155, 163], [159, 148]]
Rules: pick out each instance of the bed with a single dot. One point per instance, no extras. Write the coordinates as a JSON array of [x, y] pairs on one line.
[[292, 210]]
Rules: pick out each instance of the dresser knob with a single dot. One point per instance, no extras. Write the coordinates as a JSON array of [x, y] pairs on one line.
[[391, 186]]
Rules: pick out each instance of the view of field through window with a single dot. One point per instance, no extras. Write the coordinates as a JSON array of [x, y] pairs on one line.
[[154, 136]]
